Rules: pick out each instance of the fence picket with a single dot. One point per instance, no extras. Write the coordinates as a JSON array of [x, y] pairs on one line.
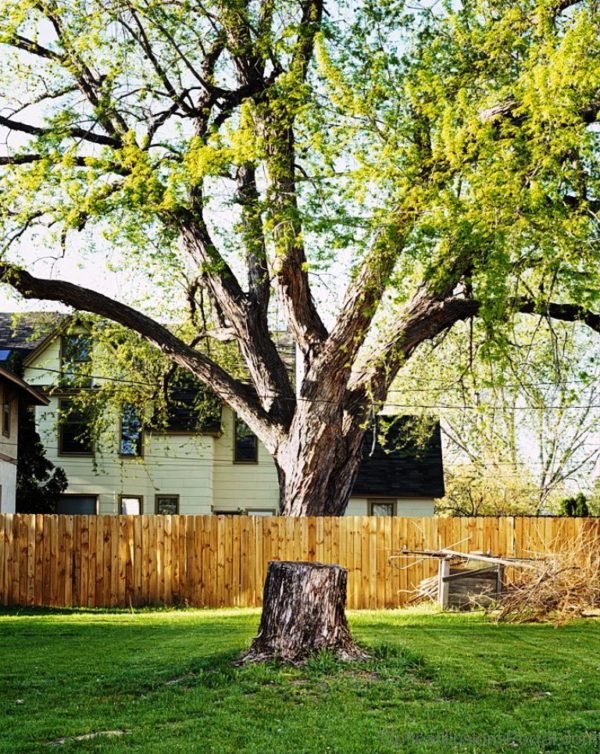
[[109, 561]]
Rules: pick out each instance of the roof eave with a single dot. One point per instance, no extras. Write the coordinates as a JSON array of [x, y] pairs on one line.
[[35, 397]]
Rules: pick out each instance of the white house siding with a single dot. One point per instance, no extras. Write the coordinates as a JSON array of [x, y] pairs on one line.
[[200, 469], [171, 465], [242, 486], [8, 485], [8, 455], [409, 507], [44, 370]]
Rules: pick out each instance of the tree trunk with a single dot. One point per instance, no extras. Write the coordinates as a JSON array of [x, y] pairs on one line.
[[317, 465], [303, 614]]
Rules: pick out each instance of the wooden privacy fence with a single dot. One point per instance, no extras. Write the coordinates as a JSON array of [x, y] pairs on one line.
[[220, 561]]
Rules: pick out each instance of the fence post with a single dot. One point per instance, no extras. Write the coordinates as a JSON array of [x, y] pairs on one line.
[[443, 586]]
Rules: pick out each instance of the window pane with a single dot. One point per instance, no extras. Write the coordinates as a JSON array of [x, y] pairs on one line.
[[131, 432], [76, 348], [190, 406], [131, 506], [75, 435], [382, 509], [246, 442], [76, 356], [77, 505], [167, 504], [261, 513]]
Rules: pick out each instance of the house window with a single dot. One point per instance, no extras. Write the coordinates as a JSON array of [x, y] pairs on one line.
[[131, 432], [167, 504], [246, 443], [382, 508], [76, 355], [74, 435], [77, 505], [130, 505], [260, 512], [190, 407], [5, 413]]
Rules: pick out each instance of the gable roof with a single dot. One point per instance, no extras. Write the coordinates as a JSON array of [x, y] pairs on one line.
[[30, 393], [22, 333], [404, 468]]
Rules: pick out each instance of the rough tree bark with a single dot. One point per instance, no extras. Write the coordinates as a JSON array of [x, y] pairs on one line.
[[303, 614]]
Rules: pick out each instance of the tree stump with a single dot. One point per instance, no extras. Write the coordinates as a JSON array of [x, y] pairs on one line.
[[303, 614]]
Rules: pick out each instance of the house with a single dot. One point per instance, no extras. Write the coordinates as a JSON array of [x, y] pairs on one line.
[[221, 468], [15, 396]]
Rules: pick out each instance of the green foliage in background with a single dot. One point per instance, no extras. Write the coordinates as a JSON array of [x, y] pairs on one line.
[[575, 506]]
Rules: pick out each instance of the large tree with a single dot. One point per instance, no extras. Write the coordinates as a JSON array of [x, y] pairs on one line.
[[441, 161]]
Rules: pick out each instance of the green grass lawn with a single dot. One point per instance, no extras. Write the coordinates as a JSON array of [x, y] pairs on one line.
[[166, 679]]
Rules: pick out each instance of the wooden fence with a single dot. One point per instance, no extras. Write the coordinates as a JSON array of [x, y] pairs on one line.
[[217, 561]]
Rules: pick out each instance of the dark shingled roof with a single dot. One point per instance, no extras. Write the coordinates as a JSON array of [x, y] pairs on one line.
[[404, 468], [23, 332]]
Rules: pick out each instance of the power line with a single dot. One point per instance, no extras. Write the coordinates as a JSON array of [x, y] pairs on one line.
[[385, 404], [123, 380], [81, 375]]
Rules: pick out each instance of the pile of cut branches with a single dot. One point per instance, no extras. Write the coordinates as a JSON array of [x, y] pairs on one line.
[[564, 585]]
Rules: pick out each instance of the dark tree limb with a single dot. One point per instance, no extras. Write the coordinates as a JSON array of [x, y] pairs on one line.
[[240, 313], [564, 312], [74, 132], [28, 45], [248, 197], [362, 300], [428, 316], [508, 110], [240, 396]]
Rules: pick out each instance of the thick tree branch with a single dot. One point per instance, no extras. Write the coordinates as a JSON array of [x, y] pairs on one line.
[[22, 43], [427, 316], [26, 159], [290, 264], [253, 237], [240, 396], [508, 110], [362, 301], [312, 16], [243, 314], [564, 312], [73, 132]]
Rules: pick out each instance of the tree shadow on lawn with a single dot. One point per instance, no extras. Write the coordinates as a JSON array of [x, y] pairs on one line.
[[158, 675]]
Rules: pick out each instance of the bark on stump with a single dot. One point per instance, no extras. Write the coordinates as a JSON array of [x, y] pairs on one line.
[[303, 614]]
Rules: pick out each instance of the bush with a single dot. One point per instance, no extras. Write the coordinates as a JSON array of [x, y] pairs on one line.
[[575, 506]]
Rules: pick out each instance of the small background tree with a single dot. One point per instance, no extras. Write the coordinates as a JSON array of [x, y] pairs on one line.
[[575, 506], [39, 481]]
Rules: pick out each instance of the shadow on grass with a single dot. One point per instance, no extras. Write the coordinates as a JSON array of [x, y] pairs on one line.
[[140, 610]]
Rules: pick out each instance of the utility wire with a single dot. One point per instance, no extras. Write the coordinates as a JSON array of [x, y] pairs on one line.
[[123, 380]]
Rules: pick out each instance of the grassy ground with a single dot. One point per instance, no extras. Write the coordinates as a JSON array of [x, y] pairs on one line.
[[436, 683]]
